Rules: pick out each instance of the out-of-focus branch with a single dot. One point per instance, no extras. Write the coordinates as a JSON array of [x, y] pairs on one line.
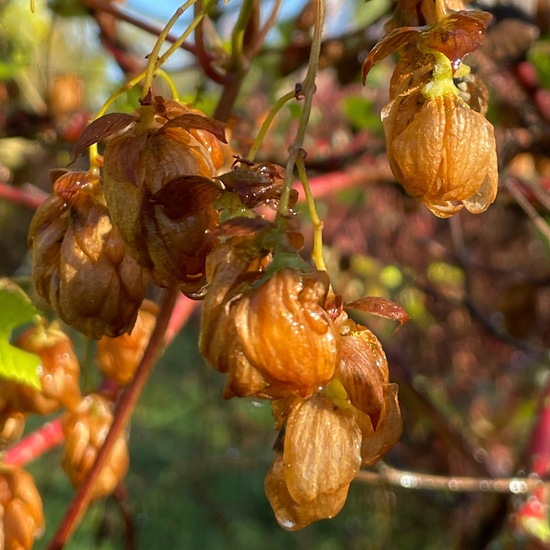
[[415, 480], [27, 194]]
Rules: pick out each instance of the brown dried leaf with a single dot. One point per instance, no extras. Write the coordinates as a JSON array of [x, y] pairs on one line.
[[102, 128], [321, 450], [388, 44], [381, 307], [193, 121], [292, 515]]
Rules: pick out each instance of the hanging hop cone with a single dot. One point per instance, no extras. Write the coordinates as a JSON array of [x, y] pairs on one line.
[[439, 147], [81, 265], [59, 371], [22, 517], [270, 333], [85, 430], [158, 167], [325, 439]]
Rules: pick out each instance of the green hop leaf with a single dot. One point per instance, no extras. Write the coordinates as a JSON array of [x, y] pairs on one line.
[[16, 309]]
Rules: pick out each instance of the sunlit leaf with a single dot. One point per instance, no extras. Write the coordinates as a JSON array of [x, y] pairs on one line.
[[16, 307], [19, 365], [381, 307]]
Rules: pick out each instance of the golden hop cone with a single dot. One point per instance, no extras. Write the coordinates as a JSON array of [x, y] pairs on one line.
[[273, 338], [85, 430], [159, 191], [81, 265], [22, 518], [439, 148], [59, 370], [443, 153], [119, 357]]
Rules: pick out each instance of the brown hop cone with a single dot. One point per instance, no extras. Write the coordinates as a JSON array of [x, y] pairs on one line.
[[85, 430], [59, 371], [273, 337], [22, 515], [158, 186], [81, 265], [119, 357]]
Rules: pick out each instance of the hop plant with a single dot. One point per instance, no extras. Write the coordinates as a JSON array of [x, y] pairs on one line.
[[81, 265], [269, 332]]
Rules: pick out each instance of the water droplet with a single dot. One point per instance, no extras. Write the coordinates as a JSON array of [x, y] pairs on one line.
[[518, 486], [408, 481], [286, 523]]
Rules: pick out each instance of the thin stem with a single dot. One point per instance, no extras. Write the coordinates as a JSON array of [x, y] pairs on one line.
[[537, 220], [154, 55], [48, 436], [308, 87], [317, 253], [238, 65], [122, 415], [266, 124], [414, 480], [237, 36]]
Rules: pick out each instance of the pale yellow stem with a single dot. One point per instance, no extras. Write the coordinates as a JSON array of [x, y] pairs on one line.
[[317, 254]]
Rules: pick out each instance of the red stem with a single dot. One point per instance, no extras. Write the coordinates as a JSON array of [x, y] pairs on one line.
[[27, 195], [35, 444]]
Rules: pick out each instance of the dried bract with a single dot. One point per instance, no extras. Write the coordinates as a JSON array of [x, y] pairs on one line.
[[270, 333]]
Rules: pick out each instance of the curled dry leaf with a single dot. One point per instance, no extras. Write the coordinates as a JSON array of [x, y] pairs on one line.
[[102, 128]]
